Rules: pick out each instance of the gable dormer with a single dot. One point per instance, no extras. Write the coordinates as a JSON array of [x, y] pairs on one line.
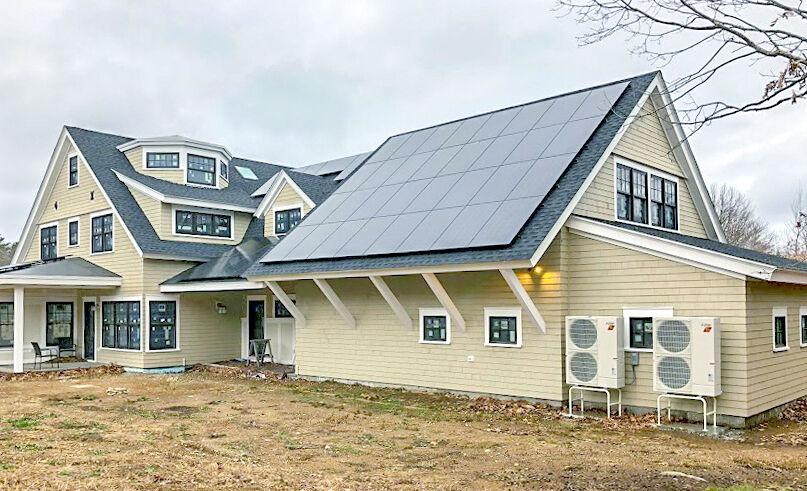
[[180, 160]]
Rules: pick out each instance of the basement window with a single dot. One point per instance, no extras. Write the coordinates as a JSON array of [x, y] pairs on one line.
[[435, 326], [503, 327], [73, 178], [633, 196], [162, 325], [6, 324], [201, 170], [120, 325], [780, 329]]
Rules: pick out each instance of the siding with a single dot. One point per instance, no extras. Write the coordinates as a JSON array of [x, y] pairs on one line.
[[286, 197], [643, 142]]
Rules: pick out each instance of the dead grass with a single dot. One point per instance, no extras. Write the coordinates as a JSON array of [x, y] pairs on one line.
[[221, 430]]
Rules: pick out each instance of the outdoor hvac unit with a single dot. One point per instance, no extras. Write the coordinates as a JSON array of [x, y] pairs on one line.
[[594, 352], [686, 356]]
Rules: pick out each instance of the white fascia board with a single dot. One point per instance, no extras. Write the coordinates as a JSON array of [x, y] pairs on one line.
[[175, 141], [789, 276], [265, 187], [274, 191], [152, 193], [60, 281], [674, 251], [211, 286]]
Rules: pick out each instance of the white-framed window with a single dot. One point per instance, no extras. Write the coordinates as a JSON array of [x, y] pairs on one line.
[[779, 329], [639, 327], [201, 170], [102, 230], [120, 323], [73, 232], [435, 326], [49, 241], [72, 170], [224, 171], [162, 319], [6, 323], [503, 327], [803, 327], [162, 160], [287, 217], [203, 222], [645, 196]]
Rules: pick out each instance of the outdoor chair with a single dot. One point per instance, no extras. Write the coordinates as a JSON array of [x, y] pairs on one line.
[[65, 346], [47, 354], [261, 348]]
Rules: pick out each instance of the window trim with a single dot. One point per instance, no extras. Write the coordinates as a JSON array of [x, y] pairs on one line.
[[802, 337], [101, 214], [146, 154], [274, 299], [76, 220], [78, 172], [288, 207], [44, 226], [433, 312], [652, 312], [162, 298], [100, 325], [215, 160], [221, 166], [779, 312], [8, 299], [209, 211], [45, 304], [650, 171], [504, 312]]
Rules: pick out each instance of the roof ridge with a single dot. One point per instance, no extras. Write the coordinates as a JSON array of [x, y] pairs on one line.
[[69, 127]]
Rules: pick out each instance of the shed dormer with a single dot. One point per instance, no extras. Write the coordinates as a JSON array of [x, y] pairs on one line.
[[180, 160]]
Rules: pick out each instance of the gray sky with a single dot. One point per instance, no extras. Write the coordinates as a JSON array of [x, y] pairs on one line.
[[301, 82]]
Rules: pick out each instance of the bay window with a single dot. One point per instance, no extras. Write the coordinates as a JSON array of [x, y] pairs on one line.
[[201, 170]]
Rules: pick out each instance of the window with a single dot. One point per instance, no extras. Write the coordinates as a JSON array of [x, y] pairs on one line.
[[6, 325], [503, 327], [59, 322], [207, 224], [435, 326], [632, 198], [48, 243], [102, 233], [162, 160], [224, 171], [120, 325], [285, 220], [803, 318], [72, 233], [280, 310], [162, 325], [73, 164], [201, 170], [780, 329], [641, 332]]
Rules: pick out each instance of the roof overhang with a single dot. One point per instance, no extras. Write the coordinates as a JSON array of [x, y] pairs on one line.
[[153, 193], [211, 286], [175, 141], [277, 181], [59, 281]]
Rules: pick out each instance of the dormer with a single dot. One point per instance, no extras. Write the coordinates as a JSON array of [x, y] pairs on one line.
[[180, 160]]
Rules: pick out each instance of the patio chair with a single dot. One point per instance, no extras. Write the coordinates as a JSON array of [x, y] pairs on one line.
[[261, 348], [47, 354], [65, 346]]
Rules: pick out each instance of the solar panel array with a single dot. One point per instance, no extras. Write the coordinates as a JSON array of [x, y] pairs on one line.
[[468, 183]]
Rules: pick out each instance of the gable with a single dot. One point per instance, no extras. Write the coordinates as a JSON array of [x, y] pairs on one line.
[[287, 197], [645, 143]]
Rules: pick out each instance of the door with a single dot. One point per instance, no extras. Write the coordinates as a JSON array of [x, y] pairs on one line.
[[257, 311], [89, 330]]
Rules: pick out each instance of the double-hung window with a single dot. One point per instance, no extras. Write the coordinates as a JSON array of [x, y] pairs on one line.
[[435, 326], [634, 188], [48, 247], [120, 327], [503, 327], [6, 324], [58, 322], [206, 224], [162, 325], [162, 160], [73, 177], [102, 239], [285, 220], [201, 170], [780, 329]]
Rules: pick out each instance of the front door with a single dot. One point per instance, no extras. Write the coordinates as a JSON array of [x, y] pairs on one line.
[[89, 330], [257, 311]]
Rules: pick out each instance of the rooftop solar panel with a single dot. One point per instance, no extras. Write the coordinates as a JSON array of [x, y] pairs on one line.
[[467, 183]]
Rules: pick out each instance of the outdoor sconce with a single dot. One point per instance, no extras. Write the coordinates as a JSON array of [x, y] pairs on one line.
[[221, 308]]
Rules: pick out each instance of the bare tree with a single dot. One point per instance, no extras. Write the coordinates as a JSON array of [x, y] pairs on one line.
[[765, 39], [739, 220], [795, 240]]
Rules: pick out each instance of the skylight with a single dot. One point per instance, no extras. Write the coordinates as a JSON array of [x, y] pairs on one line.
[[246, 173]]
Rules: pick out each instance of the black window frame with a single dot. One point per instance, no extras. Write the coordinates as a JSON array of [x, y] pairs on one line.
[[646, 335], [780, 337], [72, 165], [216, 221], [72, 233], [174, 164], [50, 339], [7, 324], [102, 231], [645, 197], [428, 328], [120, 319], [203, 161], [285, 217], [279, 311], [49, 242], [224, 171], [803, 326], [491, 330], [165, 323]]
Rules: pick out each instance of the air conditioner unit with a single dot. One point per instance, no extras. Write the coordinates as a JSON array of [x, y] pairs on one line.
[[686, 355], [595, 356]]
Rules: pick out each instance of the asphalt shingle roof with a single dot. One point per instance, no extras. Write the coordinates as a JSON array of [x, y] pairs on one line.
[[55, 268]]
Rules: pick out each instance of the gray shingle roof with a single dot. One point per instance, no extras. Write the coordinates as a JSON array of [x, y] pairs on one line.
[[55, 268], [315, 187], [334, 166], [532, 233]]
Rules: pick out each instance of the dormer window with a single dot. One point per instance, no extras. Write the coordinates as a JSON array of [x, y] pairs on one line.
[[646, 197], [224, 171], [285, 220], [203, 224], [201, 170], [73, 179], [162, 160]]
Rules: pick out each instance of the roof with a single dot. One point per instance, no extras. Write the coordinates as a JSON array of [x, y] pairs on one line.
[[335, 166], [531, 234], [315, 187], [230, 265], [72, 270]]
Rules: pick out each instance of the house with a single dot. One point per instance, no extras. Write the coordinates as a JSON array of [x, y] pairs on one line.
[[448, 258]]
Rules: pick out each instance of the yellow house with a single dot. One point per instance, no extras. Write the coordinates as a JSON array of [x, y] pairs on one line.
[[451, 258]]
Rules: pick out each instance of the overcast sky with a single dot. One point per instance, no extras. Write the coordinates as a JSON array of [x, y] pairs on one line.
[[301, 82]]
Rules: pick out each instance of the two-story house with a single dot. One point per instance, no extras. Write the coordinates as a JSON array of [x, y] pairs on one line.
[[448, 258]]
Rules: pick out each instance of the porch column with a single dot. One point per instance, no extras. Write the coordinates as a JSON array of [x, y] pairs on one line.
[[19, 323]]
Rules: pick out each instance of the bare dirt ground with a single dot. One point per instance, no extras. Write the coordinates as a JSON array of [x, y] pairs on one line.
[[208, 430]]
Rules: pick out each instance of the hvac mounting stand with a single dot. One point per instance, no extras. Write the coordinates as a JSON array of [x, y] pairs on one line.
[[608, 402], [712, 413]]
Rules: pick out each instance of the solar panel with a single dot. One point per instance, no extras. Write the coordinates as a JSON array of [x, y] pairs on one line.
[[469, 183]]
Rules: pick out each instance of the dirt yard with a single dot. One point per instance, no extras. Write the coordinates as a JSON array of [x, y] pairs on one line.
[[206, 430]]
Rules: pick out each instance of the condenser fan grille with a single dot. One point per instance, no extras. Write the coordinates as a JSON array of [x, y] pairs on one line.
[[673, 335], [673, 371], [583, 333], [583, 366]]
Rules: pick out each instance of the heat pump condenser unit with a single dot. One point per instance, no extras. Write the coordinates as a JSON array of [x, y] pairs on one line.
[[686, 356], [595, 356]]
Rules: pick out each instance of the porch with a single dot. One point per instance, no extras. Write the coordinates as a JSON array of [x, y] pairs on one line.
[[47, 367]]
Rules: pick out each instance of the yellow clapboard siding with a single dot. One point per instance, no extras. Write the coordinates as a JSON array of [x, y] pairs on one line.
[[286, 197]]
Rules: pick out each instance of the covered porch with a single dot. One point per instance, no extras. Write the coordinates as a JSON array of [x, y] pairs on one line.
[[46, 306]]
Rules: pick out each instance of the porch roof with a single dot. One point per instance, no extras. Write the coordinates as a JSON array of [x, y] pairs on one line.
[[69, 271]]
